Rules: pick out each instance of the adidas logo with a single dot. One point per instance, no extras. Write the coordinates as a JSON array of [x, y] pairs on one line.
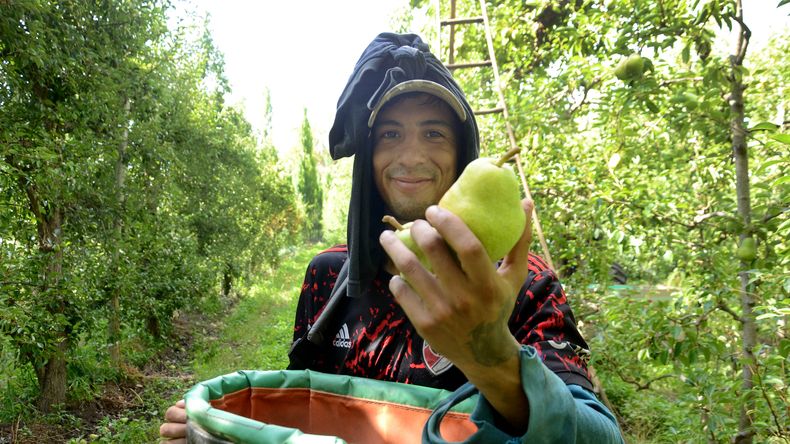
[[342, 338]]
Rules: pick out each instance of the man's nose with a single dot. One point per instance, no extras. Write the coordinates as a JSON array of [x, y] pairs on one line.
[[414, 150]]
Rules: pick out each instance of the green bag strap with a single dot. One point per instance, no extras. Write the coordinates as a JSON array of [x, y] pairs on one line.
[[430, 433]]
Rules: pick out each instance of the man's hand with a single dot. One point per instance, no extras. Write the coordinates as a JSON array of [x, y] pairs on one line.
[[174, 430], [462, 309]]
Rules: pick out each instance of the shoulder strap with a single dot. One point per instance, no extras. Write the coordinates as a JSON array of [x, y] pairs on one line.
[[304, 349]]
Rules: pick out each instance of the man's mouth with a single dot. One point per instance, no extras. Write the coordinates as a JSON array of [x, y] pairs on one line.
[[408, 184]]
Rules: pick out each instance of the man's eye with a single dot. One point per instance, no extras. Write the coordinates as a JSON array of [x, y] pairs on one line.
[[434, 133], [389, 134]]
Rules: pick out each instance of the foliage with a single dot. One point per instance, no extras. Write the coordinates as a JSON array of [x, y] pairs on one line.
[[310, 185], [128, 190], [641, 173]]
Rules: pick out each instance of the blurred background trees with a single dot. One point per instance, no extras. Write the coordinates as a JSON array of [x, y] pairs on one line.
[[128, 189]]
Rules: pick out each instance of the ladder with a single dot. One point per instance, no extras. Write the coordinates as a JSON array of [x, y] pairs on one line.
[[501, 107]]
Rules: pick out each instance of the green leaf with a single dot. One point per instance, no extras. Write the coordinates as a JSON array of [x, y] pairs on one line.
[[764, 126], [784, 344], [782, 3], [783, 138], [686, 54], [769, 164]]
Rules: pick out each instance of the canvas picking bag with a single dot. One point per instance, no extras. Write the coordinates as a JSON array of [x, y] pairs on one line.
[[304, 406]]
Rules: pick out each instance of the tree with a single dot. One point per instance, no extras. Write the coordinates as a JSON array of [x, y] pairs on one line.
[[309, 184], [644, 172], [131, 189]]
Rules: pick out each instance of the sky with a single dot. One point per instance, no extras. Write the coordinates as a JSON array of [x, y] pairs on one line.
[[303, 51]]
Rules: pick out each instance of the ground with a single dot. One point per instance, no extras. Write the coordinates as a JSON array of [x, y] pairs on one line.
[[134, 399]]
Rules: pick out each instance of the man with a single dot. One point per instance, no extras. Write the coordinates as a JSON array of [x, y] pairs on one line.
[[506, 329]]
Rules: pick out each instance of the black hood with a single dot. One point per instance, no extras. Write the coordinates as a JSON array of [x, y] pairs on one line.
[[389, 60]]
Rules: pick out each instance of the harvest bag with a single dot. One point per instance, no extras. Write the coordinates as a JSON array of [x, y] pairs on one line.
[[300, 406]]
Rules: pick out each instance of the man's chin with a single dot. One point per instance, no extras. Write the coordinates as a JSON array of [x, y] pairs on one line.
[[408, 214]]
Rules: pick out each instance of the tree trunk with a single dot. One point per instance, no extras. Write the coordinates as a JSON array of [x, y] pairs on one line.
[[52, 373], [52, 377], [120, 199], [741, 157], [227, 281]]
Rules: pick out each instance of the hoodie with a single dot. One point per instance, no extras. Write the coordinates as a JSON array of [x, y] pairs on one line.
[[389, 60]]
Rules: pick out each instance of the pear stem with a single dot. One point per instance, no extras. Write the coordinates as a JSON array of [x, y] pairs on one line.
[[392, 221], [507, 156]]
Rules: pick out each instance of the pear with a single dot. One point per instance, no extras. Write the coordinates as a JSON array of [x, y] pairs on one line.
[[487, 198], [630, 68], [747, 251], [404, 234]]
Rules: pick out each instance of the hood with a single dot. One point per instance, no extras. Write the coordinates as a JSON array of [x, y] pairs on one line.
[[389, 60]]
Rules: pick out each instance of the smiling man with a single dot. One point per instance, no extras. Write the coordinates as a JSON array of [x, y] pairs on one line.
[[414, 153], [506, 329]]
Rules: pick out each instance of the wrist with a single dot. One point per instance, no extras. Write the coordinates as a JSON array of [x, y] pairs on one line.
[[501, 386]]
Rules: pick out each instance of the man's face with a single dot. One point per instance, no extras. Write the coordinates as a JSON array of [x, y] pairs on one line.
[[415, 151]]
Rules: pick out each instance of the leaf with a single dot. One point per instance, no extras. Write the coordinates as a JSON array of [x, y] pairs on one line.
[[769, 163], [686, 54], [783, 138], [782, 3], [765, 126], [784, 344], [651, 106]]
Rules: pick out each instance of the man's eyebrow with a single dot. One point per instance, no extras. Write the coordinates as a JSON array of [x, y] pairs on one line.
[[436, 122], [388, 122]]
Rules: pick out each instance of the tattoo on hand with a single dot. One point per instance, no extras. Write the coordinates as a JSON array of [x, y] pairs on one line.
[[486, 343]]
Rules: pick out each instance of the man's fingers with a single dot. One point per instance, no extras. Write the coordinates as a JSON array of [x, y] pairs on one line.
[[173, 430], [407, 262], [176, 413], [409, 300], [175, 423], [471, 253], [443, 260]]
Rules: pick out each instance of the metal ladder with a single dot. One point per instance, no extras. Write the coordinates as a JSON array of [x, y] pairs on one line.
[[501, 107]]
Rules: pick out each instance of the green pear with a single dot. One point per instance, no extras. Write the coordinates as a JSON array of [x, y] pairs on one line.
[[487, 198], [630, 68], [404, 234], [747, 251]]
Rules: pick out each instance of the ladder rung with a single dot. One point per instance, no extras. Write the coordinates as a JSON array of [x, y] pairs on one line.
[[468, 65], [480, 112], [461, 21]]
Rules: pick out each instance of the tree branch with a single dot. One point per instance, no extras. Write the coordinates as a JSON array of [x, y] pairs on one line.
[[767, 216], [587, 89], [680, 80], [779, 428], [641, 386], [742, 44], [723, 307]]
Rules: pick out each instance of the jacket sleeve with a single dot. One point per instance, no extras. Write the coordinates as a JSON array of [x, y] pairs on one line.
[[559, 412]]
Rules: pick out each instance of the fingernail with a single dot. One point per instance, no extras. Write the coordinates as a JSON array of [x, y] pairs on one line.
[[386, 235], [433, 211]]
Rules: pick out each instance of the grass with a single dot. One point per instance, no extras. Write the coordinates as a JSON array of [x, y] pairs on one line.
[[254, 334], [258, 333]]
